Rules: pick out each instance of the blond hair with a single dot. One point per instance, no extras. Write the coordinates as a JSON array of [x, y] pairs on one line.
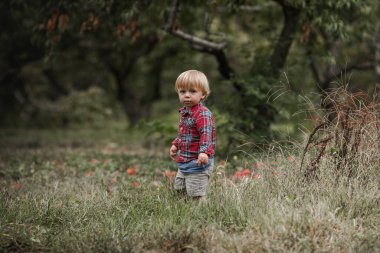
[[193, 79]]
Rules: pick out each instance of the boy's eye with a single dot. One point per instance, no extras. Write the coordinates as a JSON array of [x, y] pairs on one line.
[[193, 91]]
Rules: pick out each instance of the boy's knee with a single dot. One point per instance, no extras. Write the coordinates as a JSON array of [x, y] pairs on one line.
[[181, 191]]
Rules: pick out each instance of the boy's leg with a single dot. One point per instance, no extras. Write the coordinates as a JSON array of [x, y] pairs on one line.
[[179, 183], [196, 184]]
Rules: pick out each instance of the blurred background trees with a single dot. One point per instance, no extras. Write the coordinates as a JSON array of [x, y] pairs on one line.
[[66, 63]]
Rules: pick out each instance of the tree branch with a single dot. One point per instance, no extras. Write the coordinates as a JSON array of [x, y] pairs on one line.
[[376, 48], [203, 45], [280, 53], [172, 28], [364, 65], [199, 42], [313, 65], [171, 24], [95, 46], [256, 8]]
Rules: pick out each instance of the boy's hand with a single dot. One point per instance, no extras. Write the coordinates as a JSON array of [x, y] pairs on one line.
[[202, 159], [173, 152]]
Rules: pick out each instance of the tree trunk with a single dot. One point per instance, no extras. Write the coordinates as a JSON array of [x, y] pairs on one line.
[[134, 107], [377, 67], [281, 51]]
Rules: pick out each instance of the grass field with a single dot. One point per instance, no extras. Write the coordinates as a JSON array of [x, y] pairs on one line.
[[107, 191]]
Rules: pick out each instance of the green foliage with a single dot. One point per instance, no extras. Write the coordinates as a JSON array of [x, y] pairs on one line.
[[336, 17], [159, 132], [90, 107], [253, 113]]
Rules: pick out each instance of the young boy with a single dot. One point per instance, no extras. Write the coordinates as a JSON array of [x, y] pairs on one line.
[[194, 147]]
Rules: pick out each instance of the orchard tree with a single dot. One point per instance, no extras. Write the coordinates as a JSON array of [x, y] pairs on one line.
[[119, 33], [18, 50], [113, 35], [318, 25]]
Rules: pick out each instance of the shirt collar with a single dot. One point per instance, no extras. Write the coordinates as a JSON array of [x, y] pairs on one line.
[[184, 110]]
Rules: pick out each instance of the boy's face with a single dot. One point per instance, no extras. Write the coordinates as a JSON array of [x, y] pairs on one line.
[[190, 97]]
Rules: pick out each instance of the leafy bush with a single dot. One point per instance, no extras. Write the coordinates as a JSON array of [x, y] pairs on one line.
[[91, 107]]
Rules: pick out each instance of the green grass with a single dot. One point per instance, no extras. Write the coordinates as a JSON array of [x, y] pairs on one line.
[[76, 196]]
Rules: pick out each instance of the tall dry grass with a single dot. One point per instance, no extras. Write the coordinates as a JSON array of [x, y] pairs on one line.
[[347, 134]]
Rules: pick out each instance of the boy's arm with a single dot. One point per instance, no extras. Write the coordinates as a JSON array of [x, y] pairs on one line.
[[202, 159], [173, 152], [175, 142], [205, 125], [174, 148]]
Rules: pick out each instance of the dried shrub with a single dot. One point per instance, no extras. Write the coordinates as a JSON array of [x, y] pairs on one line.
[[348, 133]]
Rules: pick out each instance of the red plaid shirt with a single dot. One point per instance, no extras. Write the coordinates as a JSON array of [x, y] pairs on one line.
[[196, 133]]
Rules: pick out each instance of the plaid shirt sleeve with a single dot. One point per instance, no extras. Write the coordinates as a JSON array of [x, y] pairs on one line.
[[175, 142], [205, 123]]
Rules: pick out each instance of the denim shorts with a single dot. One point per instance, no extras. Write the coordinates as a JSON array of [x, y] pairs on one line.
[[193, 167]]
